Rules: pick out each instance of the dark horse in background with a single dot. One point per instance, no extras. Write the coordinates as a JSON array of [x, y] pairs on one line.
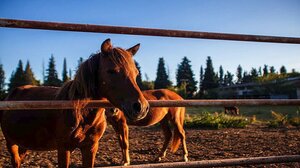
[[110, 74], [163, 115]]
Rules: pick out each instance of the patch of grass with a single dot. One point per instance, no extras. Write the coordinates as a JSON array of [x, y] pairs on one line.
[[216, 121], [281, 120], [262, 113]]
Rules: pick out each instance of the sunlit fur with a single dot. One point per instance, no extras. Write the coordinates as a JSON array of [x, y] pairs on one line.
[[162, 115], [65, 130]]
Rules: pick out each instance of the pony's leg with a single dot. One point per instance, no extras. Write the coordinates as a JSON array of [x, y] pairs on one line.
[[88, 154], [90, 145], [181, 132], [13, 149], [125, 144], [168, 135], [121, 129], [63, 158]]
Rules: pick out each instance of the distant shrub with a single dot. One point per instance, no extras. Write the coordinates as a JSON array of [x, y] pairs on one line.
[[216, 121]]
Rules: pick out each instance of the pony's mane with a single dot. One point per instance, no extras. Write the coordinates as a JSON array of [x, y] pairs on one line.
[[87, 82]]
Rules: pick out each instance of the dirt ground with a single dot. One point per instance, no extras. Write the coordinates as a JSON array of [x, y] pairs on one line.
[[253, 141]]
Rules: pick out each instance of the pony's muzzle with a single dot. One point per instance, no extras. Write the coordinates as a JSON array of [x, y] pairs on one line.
[[140, 109]]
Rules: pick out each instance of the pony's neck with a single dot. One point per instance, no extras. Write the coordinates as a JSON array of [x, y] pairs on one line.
[[87, 82]]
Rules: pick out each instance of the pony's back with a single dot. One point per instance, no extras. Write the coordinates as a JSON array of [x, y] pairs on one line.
[[31, 92]]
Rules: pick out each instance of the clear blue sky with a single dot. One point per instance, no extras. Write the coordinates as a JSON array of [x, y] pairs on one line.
[[263, 17]]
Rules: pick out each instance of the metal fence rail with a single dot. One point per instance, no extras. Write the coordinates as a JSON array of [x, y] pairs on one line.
[[21, 105], [12, 23], [220, 163]]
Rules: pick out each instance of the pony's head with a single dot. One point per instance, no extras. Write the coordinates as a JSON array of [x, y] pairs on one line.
[[112, 74]]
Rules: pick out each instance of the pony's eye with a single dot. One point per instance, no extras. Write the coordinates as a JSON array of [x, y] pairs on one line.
[[112, 71]]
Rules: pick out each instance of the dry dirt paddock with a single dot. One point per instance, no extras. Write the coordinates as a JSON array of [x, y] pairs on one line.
[[202, 144]]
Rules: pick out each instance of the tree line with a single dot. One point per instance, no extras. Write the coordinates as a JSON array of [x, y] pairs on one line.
[[185, 85]]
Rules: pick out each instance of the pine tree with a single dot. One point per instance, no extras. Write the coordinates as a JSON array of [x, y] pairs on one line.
[[70, 74], [265, 70], [254, 73], [65, 76], [2, 83], [259, 71], [221, 76], [29, 78], [51, 76], [185, 76], [17, 77], [210, 80], [239, 74], [139, 80], [162, 78], [80, 61], [283, 70], [201, 81], [228, 79], [272, 70]]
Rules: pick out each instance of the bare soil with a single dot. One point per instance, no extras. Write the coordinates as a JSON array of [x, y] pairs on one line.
[[202, 144]]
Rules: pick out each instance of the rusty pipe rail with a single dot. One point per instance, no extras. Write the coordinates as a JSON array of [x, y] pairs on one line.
[[28, 24], [20, 105], [220, 163]]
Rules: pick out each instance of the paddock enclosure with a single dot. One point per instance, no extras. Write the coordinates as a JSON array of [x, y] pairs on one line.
[[11, 105]]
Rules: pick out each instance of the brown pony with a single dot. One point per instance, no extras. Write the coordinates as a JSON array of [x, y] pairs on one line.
[[162, 115], [110, 74]]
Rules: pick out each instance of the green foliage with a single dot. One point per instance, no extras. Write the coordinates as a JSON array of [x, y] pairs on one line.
[[221, 76], [17, 77], [279, 120], [29, 78], [216, 121], [65, 76], [239, 74], [162, 78], [283, 70], [185, 77], [210, 80], [139, 77], [2, 83], [51, 76]]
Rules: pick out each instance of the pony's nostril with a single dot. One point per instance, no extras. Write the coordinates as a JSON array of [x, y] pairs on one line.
[[137, 107], [147, 108]]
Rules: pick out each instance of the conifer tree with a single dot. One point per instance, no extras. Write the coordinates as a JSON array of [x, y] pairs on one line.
[[272, 70], [239, 74], [29, 78], [283, 70], [139, 76], [80, 61], [2, 83], [228, 79], [65, 76], [210, 80], [185, 76], [162, 78], [17, 77], [265, 70], [221, 76], [51, 74], [201, 81]]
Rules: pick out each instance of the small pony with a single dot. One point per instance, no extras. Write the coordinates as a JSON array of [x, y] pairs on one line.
[[232, 110], [110, 74], [162, 115]]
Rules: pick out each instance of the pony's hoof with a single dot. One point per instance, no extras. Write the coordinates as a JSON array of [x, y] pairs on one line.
[[158, 159], [126, 164], [185, 159]]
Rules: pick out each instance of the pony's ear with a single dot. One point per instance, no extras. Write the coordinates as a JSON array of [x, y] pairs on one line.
[[106, 46], [134, 49]]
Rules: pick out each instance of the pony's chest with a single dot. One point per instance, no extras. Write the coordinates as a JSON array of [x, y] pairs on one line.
[[91, 124]]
